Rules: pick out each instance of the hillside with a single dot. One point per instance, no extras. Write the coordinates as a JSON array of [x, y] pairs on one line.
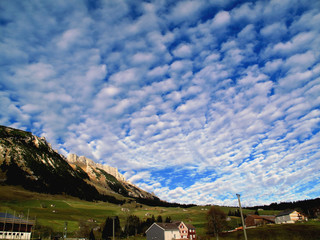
[[30, 161], [53, 211], [106, 179]]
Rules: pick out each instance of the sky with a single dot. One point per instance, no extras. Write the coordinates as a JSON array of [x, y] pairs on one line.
[[194, 101]]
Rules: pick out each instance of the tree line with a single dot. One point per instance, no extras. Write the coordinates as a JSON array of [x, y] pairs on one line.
[[310, 207], [133, 226]]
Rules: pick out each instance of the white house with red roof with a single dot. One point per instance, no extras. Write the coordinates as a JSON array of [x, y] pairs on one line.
[[169, 231]]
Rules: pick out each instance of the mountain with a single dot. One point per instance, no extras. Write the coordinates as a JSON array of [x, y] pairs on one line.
[[30, 161], [106, 179], [90, 165]]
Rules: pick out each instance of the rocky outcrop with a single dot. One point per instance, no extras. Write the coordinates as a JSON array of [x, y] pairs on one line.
[[106, 178], [88, 163]]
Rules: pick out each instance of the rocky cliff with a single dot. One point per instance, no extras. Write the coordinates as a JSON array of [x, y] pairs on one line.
[[107, 179], [89, 165]]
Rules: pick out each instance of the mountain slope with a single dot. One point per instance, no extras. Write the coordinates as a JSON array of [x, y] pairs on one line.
[[29, 161], [106, 179]]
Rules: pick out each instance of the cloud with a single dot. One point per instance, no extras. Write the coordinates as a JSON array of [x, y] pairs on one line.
[[183, 51], [274, 31], [185, 10], [68, 38], [221, 19], [193, 100]]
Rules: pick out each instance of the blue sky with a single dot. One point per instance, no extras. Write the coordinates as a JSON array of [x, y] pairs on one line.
[[192, 100]]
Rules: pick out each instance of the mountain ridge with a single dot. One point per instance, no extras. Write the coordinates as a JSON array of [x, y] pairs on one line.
[[87, 162], [30, 161]]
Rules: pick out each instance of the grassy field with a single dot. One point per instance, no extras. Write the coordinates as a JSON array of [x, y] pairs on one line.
[[55, 210], [301, 231]]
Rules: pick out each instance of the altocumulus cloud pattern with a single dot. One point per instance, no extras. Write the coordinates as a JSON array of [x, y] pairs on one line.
[[192, 100]]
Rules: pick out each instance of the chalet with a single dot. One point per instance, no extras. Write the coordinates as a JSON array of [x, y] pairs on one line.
[[13, 227], [169, 231], [256, 220], [290, 216]]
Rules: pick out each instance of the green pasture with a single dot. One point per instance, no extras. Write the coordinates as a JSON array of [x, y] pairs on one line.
[[55, 210], [298, 231]]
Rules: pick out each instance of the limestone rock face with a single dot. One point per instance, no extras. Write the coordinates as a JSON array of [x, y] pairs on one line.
[[88, 163]]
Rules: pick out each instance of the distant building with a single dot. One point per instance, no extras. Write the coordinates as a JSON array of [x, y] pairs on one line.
[[256, 220], [169, 231], [290, 216], [13, 227]]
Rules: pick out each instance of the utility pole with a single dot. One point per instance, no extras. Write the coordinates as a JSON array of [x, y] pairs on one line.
[[113, 218], [14, 216], [5, 220], [243, 224], [65, 230], [27, 222]]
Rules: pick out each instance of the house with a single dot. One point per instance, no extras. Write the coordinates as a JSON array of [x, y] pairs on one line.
[[13, 227], [256, 220], [191, 232], [169, 231], [187, 231], [290, 216]]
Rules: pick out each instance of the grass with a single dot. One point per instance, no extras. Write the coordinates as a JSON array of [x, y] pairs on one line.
[[54, 210], [299, 231]]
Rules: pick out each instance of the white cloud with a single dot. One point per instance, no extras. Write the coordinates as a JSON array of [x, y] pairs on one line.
[[68, 38], [232, 95], [221, 19], [274, 31], [185, 10], [183, 51], [128, 76]]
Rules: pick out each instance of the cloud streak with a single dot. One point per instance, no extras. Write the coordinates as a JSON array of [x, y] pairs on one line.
[[192, 100]]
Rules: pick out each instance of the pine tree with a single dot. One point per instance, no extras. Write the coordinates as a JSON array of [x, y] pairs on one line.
[[159, 219], [91, 236], [168, 219]]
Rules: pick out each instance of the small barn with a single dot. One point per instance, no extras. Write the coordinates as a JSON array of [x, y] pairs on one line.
[[256, 220], [290, 216]]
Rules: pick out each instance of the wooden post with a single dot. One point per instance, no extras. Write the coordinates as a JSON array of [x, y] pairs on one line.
[[242, 219]]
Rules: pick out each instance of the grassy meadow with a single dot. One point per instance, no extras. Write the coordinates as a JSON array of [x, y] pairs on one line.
[[55, 210]]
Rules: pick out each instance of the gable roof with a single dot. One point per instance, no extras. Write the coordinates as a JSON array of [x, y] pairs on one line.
[[265, 217], [168, 226], [188, 225], [285, 213], [164, 226], [171, 226]]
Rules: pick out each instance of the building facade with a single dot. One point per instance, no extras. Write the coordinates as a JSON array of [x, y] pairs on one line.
[[290, 216], [13, 227], [256, 220], [170, 231]]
